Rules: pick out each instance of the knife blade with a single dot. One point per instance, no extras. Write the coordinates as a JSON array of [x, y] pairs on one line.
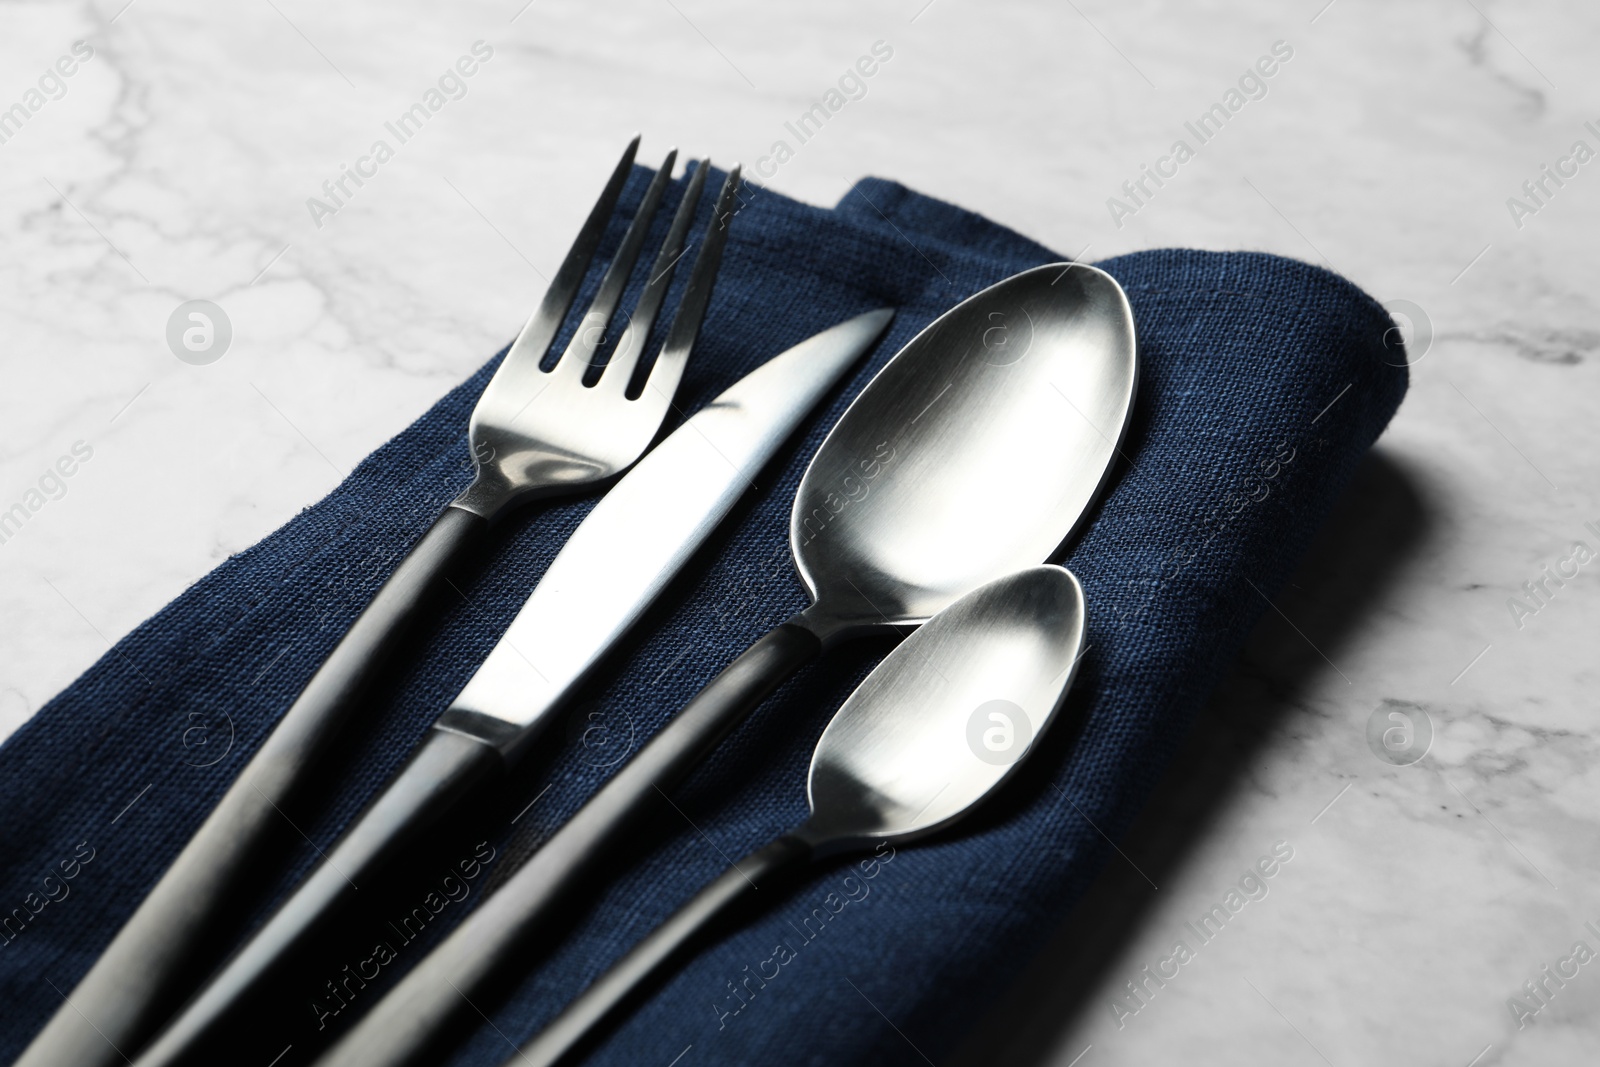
[[597, 587], [607, 575]]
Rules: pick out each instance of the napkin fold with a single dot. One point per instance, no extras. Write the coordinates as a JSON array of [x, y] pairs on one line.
[[1263, 381]]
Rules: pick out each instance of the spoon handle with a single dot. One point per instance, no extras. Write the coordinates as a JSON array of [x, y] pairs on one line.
[[664, 946]]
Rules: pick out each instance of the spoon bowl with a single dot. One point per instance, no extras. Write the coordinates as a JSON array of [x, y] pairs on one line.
[[948, 715], [976, 451]]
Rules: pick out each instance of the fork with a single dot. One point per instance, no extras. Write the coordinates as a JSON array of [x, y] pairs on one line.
[[533, 434]]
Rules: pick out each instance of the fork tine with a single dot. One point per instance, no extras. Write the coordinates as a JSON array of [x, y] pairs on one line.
[[664, 376], [529, 349], [619, 369], [592, 330]]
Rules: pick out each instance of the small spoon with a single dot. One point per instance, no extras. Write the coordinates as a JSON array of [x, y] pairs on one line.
[[941, 722]]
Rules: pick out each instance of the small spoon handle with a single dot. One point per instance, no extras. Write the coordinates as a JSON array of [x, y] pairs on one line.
[[661, 948]]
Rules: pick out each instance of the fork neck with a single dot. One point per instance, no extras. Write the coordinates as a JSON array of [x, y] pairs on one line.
[[489, 494], [526, 471]]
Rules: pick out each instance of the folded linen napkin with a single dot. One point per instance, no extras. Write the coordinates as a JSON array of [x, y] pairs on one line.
[[1263, 380]]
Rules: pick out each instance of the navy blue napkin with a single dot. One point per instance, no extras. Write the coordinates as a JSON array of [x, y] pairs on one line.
[[1263, 381]]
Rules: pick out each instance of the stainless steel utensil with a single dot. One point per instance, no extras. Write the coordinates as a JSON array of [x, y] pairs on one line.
[[977, 450], [897, 762], [533, 433], [596, 588]]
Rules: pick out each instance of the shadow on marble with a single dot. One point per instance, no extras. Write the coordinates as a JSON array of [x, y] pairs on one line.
[[1380, 522]]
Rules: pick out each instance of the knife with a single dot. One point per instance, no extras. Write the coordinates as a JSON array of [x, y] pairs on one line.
[[599, 584]]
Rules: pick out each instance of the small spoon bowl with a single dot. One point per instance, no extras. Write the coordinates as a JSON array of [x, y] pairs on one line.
[[936, 726], [948, 715]]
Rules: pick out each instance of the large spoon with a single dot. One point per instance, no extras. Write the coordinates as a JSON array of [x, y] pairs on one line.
[[977, 450], [934, 729]]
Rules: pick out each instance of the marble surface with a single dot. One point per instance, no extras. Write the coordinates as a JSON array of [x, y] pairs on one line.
[[176, 161]]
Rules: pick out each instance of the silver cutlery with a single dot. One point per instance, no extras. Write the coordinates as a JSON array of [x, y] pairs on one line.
[[977, 450], [898, 761], [603, 579], [533, 434]]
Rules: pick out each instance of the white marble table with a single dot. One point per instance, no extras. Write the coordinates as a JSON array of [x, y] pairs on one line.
[[175, 164]]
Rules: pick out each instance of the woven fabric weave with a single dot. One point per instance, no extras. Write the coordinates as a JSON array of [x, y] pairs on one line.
[[1233, 459]]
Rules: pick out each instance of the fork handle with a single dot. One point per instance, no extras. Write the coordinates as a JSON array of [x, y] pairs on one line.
[[664, 946], [412, 1017], [172, 939]]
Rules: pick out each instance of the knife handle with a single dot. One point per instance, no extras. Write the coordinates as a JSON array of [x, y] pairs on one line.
[[442, 770], [172, 939], [664, 946], [411, 1018]]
